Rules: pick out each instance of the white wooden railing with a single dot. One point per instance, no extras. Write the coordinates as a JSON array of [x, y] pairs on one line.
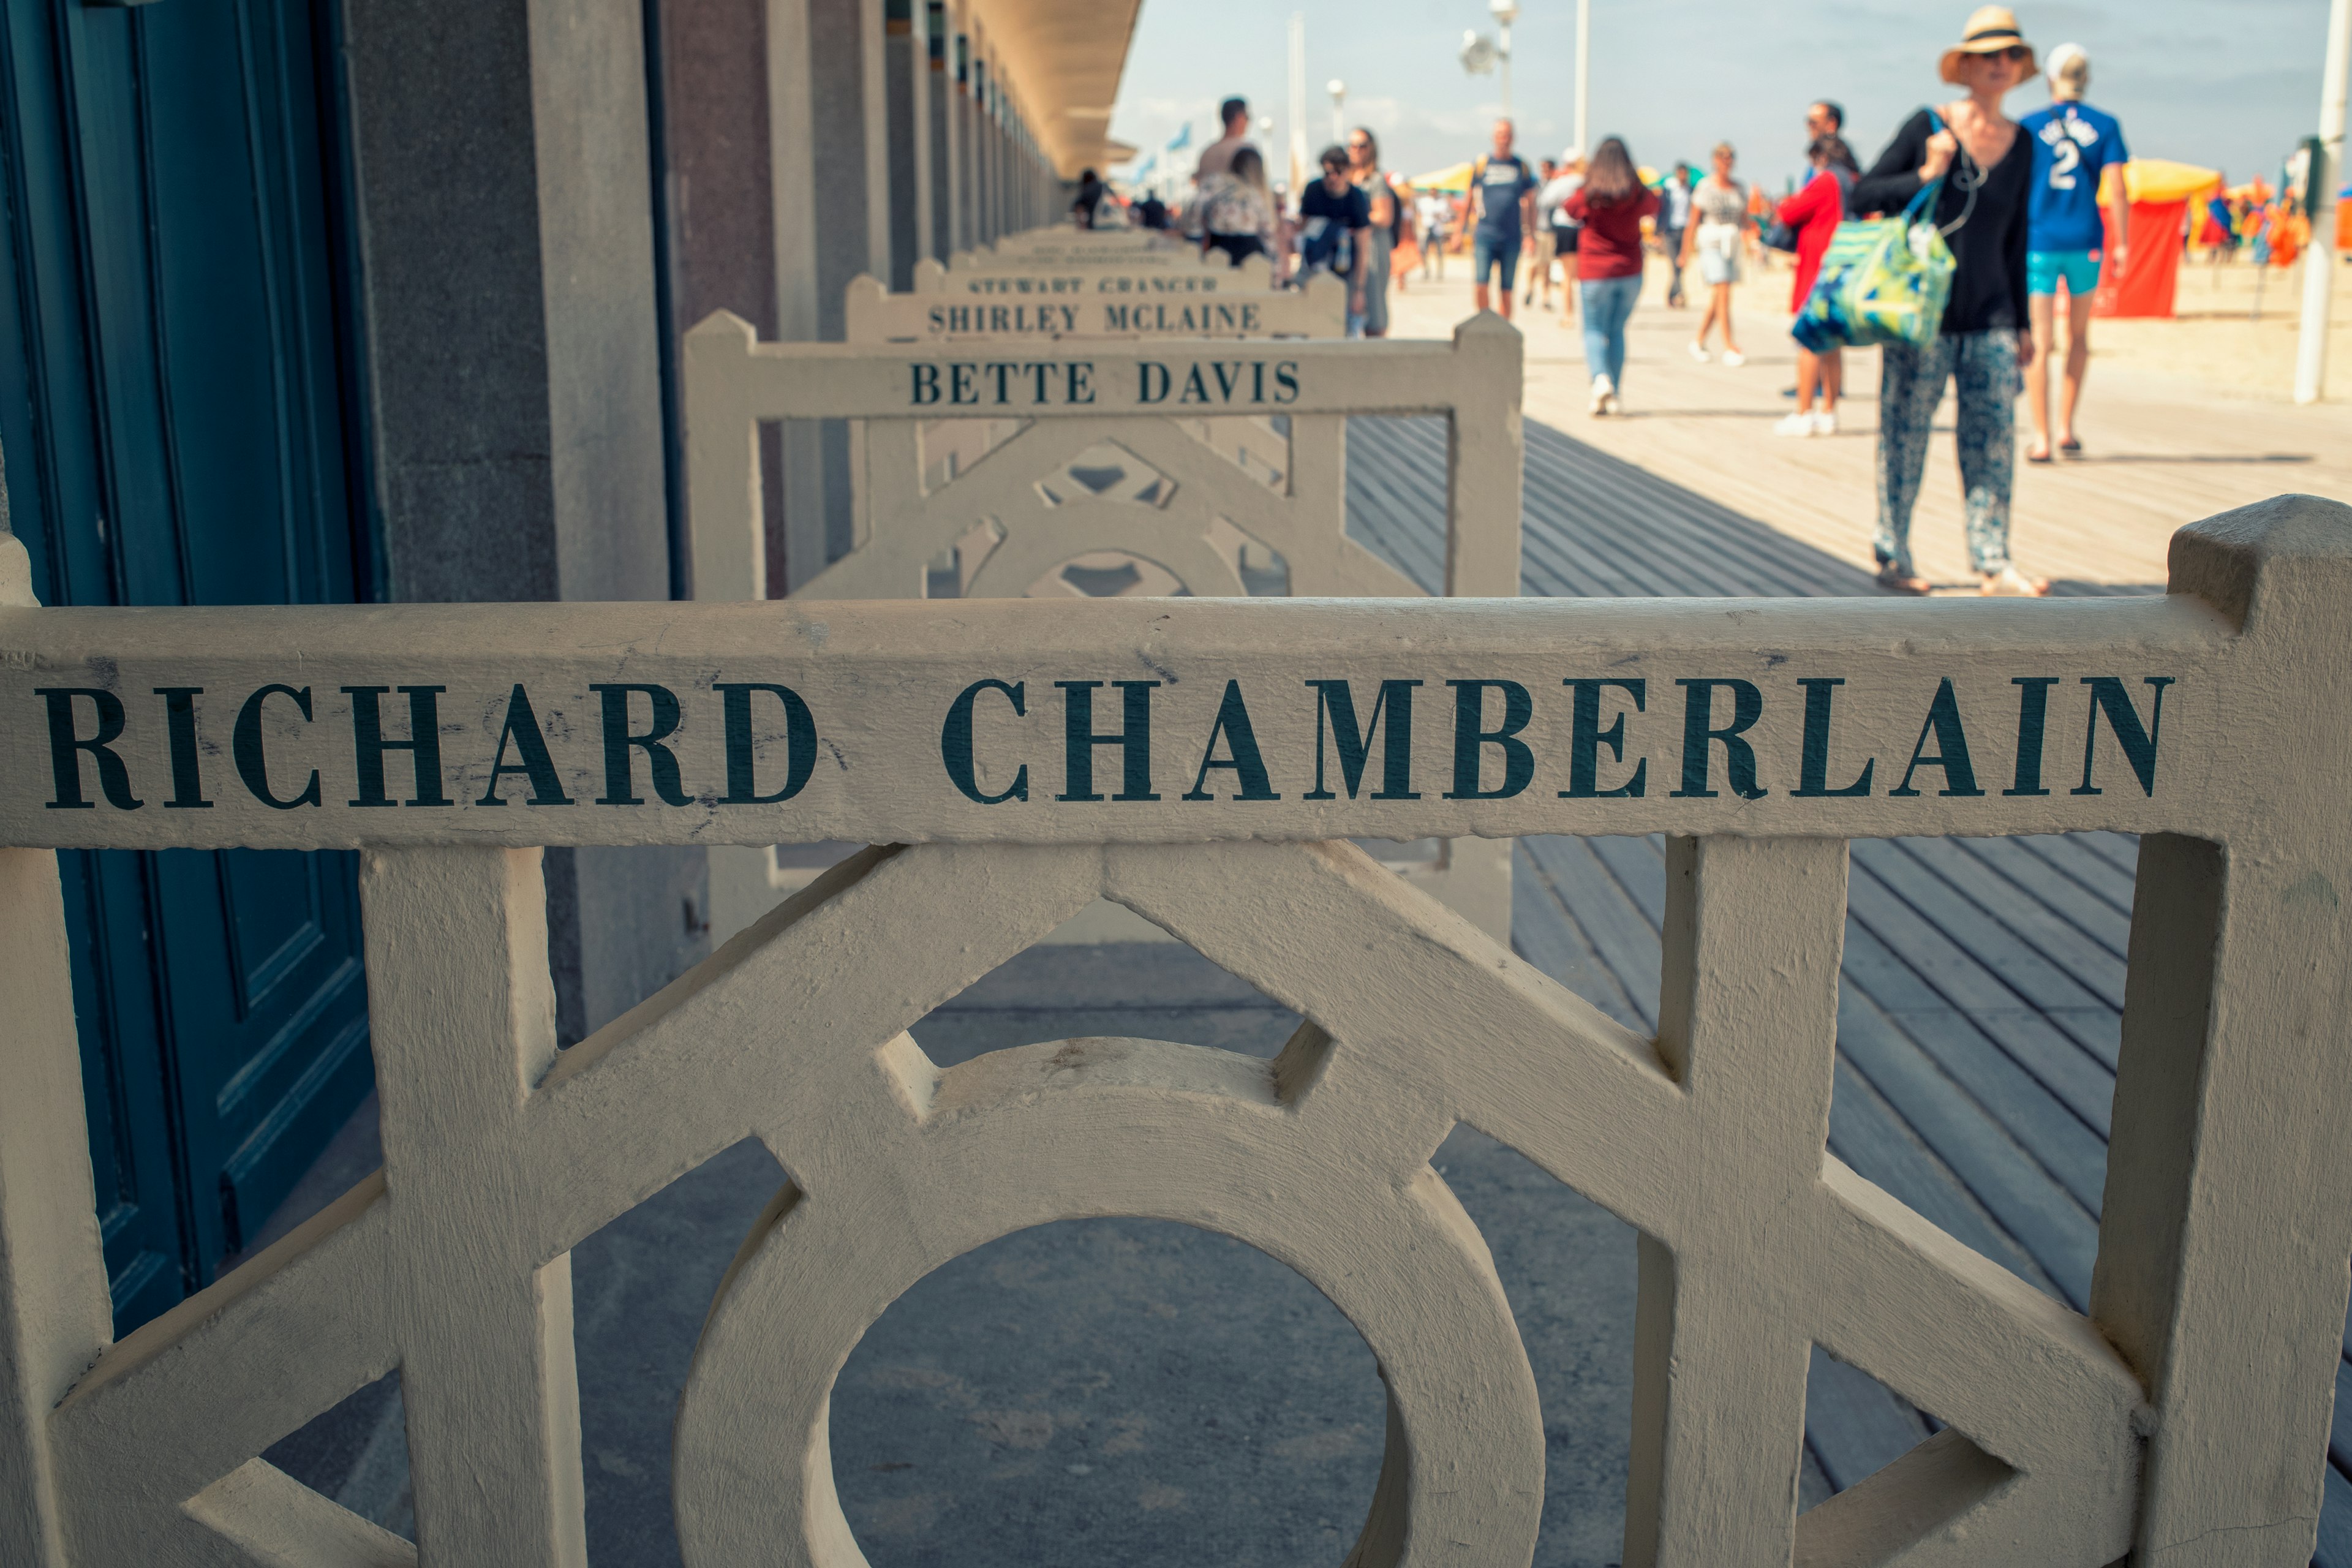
[[1174, 417], [1016, 760], [1098, 304]]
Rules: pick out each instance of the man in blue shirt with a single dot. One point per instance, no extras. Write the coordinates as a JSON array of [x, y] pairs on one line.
[[1333, 214], [1503, 194], [2074, 145]]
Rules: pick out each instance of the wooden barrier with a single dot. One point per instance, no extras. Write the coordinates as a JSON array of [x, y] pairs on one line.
[[1152, 275], [1065, 458], [1066, 260], [1205, 764], [939, 315]]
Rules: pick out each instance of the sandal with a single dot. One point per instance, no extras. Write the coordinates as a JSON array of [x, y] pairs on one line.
[[1894, 579], [2033, 457], [2070, 448], [2009, 582]]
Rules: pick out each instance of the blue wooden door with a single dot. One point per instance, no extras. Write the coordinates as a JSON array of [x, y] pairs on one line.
[[179, 419]]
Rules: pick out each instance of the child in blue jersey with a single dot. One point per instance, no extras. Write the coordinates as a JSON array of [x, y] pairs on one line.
[[2074, 145]]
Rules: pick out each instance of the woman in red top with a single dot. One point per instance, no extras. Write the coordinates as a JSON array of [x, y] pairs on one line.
[[1612, 206], [1814, 214]]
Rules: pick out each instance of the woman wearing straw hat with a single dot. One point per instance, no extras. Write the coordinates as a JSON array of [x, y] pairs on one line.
[[1987, 167]]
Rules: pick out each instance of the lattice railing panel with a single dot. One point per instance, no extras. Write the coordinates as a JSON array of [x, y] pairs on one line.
[[454, 1263], [2182, 1420], [1185, 410]]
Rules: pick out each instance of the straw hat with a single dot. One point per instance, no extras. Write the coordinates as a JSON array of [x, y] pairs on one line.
[[1991, 29]]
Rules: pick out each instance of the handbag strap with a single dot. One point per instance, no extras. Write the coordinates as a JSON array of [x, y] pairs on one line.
[[1976, 176], [1926, 191], [1926, 200]]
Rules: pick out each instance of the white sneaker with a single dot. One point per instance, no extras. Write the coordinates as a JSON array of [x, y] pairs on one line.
[[1733, 357], [1793, 424], [1611, 406], [1698, 353], [1604, 393], [1826, 423]]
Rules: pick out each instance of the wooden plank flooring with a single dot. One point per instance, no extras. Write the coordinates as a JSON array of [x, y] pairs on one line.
[[1982, 987]]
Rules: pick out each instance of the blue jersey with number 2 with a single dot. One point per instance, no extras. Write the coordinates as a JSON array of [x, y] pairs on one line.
[[2073, 144]]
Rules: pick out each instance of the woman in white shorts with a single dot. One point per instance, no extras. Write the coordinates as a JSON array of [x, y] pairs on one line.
[[1719, 221]]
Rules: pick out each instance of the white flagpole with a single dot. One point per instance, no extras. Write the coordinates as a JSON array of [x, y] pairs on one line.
[[1297, 103], [2319, 256], [1583, 76]]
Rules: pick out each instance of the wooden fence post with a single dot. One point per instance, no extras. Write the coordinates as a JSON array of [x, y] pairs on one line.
[[2228, 1215], [1747, 1024], [464, 1019], [55, 1317]]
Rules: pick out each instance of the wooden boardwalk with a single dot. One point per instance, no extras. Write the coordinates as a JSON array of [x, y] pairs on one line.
[[2161, 450], [1980, 1010]]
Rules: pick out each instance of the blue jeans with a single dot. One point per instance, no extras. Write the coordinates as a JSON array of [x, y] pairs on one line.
[[1910, 383], [1608, 303]]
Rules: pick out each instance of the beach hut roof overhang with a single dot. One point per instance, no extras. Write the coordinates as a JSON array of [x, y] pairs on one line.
[[1064, 59]]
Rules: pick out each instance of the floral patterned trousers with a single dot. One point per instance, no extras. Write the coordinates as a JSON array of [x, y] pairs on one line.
[[1910, 383]]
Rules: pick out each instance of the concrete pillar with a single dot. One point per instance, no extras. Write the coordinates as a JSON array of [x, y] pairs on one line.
[[984, 161], [992, 109], [1026, 168], [506, 215], [959, 98], [976, 143], [946, 139], [1003, 165], [1016, 213], [720, 191], [909, 101], [829, 154]]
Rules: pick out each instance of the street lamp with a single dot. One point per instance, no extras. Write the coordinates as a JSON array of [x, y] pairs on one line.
[[1338, 91], [1505, 12]]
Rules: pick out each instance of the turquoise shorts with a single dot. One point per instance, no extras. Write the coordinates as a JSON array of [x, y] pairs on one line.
[[2080, 269]]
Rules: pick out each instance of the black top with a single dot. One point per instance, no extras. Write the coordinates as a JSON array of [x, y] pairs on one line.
[[1327, 226], [1988, 280]]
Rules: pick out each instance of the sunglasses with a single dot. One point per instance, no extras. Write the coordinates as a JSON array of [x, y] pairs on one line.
[[2016, 54]]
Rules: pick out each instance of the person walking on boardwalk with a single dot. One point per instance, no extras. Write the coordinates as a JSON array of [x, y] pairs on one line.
[[1552, 204], [1404, 248], [1541, 250], [1214, 166], [2074, 145], [1719, 206], [1432, 210], [1089, 199], [1674, 219], [1217, 157], [1502, 197], [1814, 214], [1332, 218], [1985, 165], [1364, 172], [1238, 217], [1611, 205]]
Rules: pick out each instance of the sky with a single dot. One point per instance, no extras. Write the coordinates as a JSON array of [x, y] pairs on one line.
[[2228, 84]]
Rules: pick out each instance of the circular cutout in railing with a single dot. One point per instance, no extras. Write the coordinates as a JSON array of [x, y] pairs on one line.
[[1114, 1391]]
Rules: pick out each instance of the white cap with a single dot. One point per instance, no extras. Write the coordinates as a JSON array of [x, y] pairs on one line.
[[1572, 153], [2068, 60]]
